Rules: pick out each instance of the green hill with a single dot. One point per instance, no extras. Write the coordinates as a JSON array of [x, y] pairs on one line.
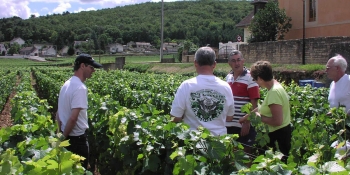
[[202, 22]]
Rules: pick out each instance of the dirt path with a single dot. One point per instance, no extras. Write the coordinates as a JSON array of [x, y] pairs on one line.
[[5, 116]]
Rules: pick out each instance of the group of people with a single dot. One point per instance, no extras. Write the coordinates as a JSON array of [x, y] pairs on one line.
[[210, 102], [207, 101]]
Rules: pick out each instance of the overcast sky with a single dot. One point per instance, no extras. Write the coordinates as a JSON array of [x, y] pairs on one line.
[[25, 8]]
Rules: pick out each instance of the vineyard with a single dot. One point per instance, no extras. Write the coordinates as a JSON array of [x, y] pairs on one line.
[[131, 131]]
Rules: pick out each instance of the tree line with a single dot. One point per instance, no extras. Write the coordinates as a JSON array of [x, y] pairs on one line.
[[200, 22]]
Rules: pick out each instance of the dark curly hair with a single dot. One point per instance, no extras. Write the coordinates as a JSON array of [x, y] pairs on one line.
[[261, 69]]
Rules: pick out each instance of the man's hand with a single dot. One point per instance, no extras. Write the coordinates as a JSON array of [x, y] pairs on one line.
[[245, 128], [61, 137], [176, 119], [243, 119]]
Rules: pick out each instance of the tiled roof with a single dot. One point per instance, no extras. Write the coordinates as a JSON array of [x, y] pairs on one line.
[[114, 44], [14, 39], [142, 43], [26, 49], [246, 21]]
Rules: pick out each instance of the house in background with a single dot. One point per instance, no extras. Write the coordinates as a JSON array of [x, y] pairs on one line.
[[48, 51], [77, 45], [322, 18], [245, 22], [30, 51], [114, 48], [226, 48], [131, 44], [142, 46], [3, 50], [17, 40], [170, 47], [41, 46]]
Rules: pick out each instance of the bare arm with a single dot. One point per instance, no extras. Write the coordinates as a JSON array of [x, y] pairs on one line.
[[71, 121], [229, 118], [277, 115], [59, 123], [245, 118], [176, 119], [254, 103], [246, 125]]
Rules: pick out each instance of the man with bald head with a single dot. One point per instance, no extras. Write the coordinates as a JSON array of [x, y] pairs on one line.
[[204, 100]]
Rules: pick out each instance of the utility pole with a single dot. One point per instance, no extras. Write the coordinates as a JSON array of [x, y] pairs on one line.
[[161, 33], [303, 55], [99, 49], [88, 44], [99, 44], [56, 51]]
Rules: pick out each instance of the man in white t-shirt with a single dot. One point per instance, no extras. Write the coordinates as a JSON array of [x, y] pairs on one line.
[[204, 100], [339, 92], [73, 104]]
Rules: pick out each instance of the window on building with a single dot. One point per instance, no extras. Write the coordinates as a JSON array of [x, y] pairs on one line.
[[312, 10]]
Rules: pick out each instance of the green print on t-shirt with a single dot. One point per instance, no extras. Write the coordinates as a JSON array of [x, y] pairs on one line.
[[207, 104]]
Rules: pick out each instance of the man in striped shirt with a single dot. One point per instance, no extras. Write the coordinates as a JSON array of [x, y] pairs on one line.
[[244, 90]]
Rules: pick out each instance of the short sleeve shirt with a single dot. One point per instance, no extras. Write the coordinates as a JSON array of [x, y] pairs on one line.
[[204, 101], [73, 94], [276, 95], [243, 89], [339, 93]]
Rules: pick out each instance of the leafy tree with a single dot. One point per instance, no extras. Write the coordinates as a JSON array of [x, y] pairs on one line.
[[1, 36], [14, 49], [187, 47], [179, 54], [90, 45], [119, 40], [202, 22], [70, 51], [270, 23], [102, 41]]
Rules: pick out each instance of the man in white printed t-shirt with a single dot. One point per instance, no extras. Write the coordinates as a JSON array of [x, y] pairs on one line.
[[204, 100], [72, 107]]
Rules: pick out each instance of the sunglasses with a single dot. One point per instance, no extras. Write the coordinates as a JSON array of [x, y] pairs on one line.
[[91, 67]]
